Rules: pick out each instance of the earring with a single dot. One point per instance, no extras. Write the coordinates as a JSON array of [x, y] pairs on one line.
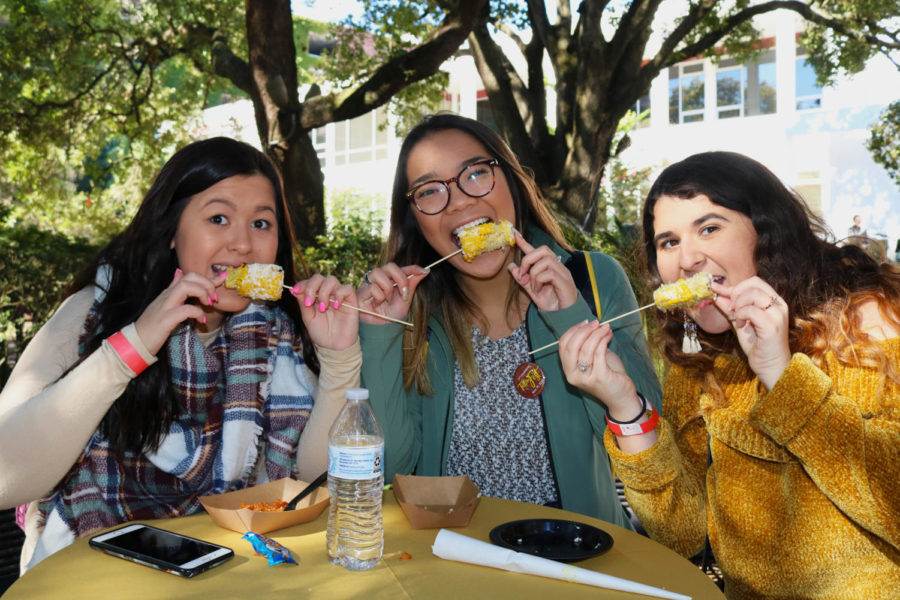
[[690, 344]]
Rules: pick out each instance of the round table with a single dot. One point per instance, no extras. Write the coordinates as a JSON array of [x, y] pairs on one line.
[[82, 572]]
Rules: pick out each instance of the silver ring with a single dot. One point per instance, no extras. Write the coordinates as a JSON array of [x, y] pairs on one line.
[[558, 258], [772, 303], [366, 279], [583, 366]]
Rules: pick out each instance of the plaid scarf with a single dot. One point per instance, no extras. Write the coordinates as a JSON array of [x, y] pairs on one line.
[[246, 396]]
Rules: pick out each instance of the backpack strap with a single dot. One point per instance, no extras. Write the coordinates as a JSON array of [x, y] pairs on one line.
[[579, 264]]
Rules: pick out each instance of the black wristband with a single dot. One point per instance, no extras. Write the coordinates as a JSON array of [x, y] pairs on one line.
[[645, 406]]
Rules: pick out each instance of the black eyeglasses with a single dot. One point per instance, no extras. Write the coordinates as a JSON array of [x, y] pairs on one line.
[[475, 180]]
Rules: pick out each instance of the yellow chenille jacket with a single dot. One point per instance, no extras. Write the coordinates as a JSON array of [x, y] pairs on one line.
[[802, 495]]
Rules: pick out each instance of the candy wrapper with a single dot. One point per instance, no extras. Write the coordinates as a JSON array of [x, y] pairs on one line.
[[272, 550]]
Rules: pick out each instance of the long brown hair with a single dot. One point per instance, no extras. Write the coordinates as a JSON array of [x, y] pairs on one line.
[[440, 292], [823, 284], [142, 265]]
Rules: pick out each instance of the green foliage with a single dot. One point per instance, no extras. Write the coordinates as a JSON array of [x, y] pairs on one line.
[[622, 191], [98, 92], [884, 141], [620, 197], [353, 243], [385, 30], [832, 51], [37, 265]]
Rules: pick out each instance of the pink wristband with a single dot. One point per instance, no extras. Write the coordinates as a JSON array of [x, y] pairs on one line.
[[127, 352]]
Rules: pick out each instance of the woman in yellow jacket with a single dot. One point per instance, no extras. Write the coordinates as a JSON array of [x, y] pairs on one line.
[[781, 432]]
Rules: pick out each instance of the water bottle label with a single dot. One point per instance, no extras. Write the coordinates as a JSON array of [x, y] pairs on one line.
[[357, 462]]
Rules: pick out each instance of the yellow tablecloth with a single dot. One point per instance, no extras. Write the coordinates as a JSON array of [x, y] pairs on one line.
[[81, 572]]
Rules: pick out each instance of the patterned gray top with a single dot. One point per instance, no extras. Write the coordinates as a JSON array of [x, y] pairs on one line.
[[498, 436]]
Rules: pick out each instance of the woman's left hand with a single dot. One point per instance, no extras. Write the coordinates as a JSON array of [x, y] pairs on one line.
[[329, 323], [590, 365], [544, 278], [760, 320]]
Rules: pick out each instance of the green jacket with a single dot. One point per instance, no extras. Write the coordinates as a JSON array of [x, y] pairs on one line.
[[417, 428]]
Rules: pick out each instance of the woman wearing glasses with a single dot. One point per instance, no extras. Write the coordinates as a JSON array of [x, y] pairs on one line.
[[445, 390]]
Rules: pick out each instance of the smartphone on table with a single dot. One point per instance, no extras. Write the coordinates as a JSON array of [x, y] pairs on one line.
[[164, 550]]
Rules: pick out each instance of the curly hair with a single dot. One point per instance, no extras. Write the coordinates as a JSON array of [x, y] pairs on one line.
[[822, 283]]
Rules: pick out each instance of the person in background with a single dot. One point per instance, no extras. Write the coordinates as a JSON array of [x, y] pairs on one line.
[[856, 229], [445, 390], [153, 384], [780, 436]]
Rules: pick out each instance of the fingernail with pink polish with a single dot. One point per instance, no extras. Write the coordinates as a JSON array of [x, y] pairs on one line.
[[308, 302], [336, 304], [321, 307], [204, 319], [209, 300], [215, 296]]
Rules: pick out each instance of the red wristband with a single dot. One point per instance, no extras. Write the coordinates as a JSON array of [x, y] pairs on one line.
[[127, 352], [635, 428]]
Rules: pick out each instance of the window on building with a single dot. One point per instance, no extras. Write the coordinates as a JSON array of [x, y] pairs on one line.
[[358, 140], [686, 89], [640, 107], [484, 113], [319, 141], [809, 186], [809, 93], [744, 90]]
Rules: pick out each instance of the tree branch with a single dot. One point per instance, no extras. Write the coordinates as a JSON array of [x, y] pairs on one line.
[[225, 62], [416, 65], [506, 91]]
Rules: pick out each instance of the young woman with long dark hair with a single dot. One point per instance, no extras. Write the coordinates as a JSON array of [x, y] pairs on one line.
[[153, 384]]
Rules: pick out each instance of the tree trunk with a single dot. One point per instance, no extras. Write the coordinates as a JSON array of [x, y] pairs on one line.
[[276, 103]]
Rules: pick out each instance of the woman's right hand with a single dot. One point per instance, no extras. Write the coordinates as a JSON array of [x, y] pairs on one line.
[[389, 291], [590, 365], [174, 305]]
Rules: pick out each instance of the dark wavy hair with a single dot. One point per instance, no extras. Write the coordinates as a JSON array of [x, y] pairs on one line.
[[142, 265], [820, 281], [407, 246]]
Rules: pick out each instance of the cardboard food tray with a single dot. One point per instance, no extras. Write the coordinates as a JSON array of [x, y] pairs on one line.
[[434, 502], [226, 512]]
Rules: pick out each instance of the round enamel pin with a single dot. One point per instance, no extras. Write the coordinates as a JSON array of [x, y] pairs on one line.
[[529, 380]]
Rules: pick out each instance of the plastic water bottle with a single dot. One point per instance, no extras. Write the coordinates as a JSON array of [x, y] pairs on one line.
[[355, 534]]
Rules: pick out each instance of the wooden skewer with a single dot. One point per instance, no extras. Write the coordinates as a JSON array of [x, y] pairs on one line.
[[380, 316], [437, 262], [440, 260], [368, 312], [630, 312]]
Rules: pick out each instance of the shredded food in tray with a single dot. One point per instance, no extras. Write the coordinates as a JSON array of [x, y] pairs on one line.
[[277, 506]]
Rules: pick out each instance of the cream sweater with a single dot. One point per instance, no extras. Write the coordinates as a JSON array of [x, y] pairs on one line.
[[45, 424], [802, 499]]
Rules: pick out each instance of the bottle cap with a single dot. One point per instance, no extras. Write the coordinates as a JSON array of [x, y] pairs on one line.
[[357, 394]]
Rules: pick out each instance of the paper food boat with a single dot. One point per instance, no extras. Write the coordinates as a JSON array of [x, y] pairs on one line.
[[434, 502], [226, 511]]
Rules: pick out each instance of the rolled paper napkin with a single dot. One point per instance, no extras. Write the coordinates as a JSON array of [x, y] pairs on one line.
[[454, 546]]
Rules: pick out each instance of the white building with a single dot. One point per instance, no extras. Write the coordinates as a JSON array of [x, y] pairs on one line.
[[771, 110]]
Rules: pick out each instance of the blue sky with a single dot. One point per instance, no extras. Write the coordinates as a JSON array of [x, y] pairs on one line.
[[326, 10]]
